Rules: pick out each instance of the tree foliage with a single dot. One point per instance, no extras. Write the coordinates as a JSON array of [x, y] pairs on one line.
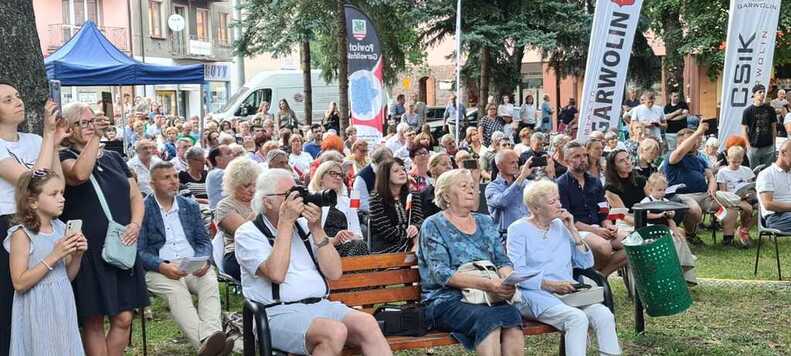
[[276, 26], [21, 60]]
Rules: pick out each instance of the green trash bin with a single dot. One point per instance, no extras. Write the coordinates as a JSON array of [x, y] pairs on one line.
[[657, 273]]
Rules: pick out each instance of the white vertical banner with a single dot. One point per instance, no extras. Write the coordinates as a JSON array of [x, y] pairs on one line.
[[614, 24], [458, 70], [749, 53]]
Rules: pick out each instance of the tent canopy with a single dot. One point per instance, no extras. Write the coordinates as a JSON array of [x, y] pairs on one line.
[[89, 59]]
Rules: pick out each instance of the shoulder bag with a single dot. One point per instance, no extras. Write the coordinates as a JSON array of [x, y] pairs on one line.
[[483, 269], [114, 251]]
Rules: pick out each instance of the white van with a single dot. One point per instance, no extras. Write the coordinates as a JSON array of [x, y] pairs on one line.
[[273, 86]]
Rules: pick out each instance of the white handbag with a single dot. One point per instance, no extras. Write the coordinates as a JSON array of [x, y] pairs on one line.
[[483, 269]]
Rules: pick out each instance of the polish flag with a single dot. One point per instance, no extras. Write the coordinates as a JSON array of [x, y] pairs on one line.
[[604, 208], [409, 201], [354, 202], [721, 213]]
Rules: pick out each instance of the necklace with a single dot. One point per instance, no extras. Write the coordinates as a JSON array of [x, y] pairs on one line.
[[544, 229]]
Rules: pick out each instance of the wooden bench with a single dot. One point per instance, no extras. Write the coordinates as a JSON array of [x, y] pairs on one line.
[[368, 281]]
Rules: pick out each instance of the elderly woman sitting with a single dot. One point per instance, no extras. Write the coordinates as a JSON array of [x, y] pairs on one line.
[[340, 222], [450, 239], [234, 210], [547, 242]]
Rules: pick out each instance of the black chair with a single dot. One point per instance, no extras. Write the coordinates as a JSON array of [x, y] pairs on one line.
[[774, 234]]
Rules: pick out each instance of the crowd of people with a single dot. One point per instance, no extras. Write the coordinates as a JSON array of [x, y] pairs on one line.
[[276, 206]]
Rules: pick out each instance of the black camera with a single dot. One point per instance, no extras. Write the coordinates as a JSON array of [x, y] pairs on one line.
[[325, 197], [539, 161]]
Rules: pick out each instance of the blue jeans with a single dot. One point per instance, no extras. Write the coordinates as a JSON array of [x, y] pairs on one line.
[[779, 221]]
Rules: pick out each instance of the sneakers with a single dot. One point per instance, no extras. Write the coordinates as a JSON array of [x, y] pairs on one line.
[[744, 238], [727, 241]]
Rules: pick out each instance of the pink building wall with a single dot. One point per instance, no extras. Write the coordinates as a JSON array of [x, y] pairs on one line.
[[50, 12]]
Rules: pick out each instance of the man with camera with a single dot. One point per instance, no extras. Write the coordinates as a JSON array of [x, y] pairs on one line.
[[286, 258]]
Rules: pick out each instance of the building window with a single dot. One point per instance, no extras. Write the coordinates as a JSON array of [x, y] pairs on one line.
[[155, 18], [223, 36], [83, 10], [202, 24]]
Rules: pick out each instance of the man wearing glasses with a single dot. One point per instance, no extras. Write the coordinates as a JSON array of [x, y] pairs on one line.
[[286, 258]]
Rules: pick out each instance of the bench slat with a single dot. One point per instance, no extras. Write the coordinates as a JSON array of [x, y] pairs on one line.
[[377, 296], [375, 279], [387, 260]]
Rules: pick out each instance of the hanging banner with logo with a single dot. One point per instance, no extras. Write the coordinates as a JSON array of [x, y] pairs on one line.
[[614, 24], [366, 77], [749, 52]]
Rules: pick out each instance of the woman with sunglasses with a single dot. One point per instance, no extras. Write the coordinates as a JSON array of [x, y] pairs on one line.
[[340, 222], [418, 173], [101, 290], [19, 153]]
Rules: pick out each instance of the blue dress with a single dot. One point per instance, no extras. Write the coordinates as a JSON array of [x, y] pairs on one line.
[[44, 318], [443, 249]]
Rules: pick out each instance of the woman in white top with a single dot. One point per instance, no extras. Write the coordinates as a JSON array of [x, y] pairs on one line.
[[298, 158], [506, 108], [340, 222], [19, 153], [528, 113]]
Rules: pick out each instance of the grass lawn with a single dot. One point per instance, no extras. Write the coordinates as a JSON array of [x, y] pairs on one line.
[[727, 318]]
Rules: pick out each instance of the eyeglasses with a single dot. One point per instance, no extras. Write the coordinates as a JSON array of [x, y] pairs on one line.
[[276, 194], [335, 174], [86, 123]]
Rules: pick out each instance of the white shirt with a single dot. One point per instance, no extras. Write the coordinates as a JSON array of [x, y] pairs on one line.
[[143, 173], [505, 110], [176, 245], [361, 187], [646, 115], [301, 162], [787, 119], [527, 114], [735, 179], [352, 220], [394, 144], [179, 164], [773, 179], [25, 152], [302, 278]]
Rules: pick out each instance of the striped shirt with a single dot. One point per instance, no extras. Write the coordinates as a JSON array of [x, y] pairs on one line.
[[389, 223]]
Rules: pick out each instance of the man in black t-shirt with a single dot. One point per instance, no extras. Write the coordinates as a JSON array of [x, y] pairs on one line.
[[568, 118], [676, 115], [759, 127]]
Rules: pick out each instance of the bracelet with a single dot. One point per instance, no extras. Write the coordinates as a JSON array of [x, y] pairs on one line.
[[46, 265]]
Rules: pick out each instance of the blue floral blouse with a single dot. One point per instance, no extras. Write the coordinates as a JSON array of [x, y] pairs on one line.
[[443, 248]]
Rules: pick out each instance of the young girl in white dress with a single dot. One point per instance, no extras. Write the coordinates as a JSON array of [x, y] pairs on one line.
[[43, 262]]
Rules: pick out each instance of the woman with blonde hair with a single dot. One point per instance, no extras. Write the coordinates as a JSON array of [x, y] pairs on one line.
[[454, 237], [340, 222], [234, 210], [548, 242]]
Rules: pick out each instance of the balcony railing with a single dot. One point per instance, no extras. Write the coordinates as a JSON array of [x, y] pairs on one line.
[[61, 33]]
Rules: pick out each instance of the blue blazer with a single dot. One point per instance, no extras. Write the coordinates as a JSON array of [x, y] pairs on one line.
[[152, 232]]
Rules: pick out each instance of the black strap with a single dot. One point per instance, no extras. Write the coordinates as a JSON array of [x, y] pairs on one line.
[[305, 237]]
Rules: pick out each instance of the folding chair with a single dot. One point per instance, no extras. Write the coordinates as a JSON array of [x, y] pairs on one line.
[[773, 233]]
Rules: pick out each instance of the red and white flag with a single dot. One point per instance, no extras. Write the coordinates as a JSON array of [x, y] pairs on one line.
[[721, 213], [409, 201], [354, 202]]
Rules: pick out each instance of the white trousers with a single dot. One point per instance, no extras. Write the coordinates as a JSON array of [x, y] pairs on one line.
[[574, 322], [196, 323]]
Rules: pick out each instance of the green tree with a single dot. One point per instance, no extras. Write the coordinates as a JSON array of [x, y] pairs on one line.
[[21, 60], [278, 26]]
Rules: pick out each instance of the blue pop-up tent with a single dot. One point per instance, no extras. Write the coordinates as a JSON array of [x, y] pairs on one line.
[[89, 59]]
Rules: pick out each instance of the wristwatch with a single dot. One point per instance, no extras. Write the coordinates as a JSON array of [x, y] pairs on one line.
[[324, 242]]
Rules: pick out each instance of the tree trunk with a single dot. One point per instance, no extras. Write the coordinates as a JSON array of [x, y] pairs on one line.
[[673, 62], [483, 93], [306, 80], [343, 67], [21, 61], [516, 61]]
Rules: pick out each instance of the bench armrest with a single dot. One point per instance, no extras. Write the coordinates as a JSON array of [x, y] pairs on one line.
[[600, 280], [254, 315]]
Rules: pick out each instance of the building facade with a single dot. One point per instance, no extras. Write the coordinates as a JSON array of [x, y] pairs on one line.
[[168, 32]]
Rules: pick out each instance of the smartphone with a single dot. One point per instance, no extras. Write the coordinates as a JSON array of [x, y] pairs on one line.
[[470, 164], [539, 161], [73, 227], [581, 286], [54, 95]]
